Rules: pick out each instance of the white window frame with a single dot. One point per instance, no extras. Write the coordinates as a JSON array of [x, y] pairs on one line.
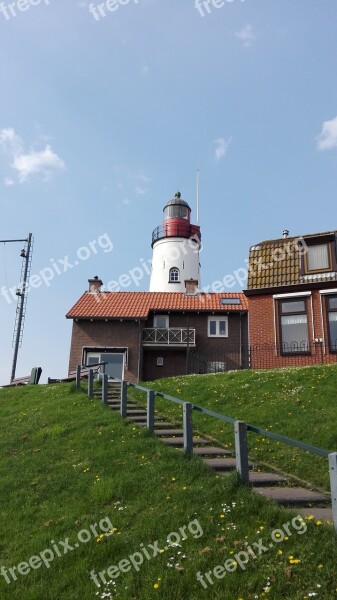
[[167, 321], [217, 320], [318, 269], [176, 271]]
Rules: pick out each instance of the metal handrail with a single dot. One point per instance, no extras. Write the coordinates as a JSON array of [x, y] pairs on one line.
[[240, 430]]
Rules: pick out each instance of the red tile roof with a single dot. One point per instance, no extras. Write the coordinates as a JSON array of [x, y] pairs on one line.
[[139, 304]]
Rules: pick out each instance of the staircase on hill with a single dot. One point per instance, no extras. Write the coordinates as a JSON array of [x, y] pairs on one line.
[[272, 485]]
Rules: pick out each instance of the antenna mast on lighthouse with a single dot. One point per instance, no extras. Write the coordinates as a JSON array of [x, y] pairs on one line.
[[198, 194]]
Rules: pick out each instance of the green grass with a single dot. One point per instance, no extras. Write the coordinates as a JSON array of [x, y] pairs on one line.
[[297, 402], [67, 462]]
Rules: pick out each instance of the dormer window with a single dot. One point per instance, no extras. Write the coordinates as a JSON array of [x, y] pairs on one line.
[[318, 258]]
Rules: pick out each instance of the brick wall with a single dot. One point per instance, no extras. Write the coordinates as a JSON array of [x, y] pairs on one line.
[[175, 359], [264, 337], [107, 335]]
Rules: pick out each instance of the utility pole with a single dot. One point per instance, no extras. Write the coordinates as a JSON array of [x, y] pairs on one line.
[[21, 292]]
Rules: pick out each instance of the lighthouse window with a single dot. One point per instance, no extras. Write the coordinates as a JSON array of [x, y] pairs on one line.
[[174, 275], [176, 211]]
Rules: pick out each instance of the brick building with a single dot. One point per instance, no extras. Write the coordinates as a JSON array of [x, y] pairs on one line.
[[150, 335], [292, 300]]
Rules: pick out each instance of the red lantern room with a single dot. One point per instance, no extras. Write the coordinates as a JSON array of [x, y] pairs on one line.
[[177, 221]]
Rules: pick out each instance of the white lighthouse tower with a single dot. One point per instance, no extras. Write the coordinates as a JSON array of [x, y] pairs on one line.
[[176, 245]]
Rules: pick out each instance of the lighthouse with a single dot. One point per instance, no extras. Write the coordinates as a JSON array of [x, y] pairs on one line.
[[176, 246]]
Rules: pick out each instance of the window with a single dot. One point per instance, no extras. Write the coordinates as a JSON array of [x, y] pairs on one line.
[[332, 322], [115, 359], [217, 326], [294, 326], [161, 321], [318, 258], [174, 275], [228, 301]]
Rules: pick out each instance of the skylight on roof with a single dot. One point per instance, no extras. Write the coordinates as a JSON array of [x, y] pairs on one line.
[[230, 301]]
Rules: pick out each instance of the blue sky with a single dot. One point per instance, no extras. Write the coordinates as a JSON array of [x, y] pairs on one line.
[[103, 119]]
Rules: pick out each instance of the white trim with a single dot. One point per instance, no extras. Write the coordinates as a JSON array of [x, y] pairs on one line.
[[275, 336], [294, 295], [312, 319], [334, 291], [322, 321], [217, 319]]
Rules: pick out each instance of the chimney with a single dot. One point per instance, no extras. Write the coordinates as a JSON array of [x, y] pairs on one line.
[[95, 285], [191, 286], [285, 233]]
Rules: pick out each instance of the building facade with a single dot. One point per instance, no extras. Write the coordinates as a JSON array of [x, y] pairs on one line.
[[150, 335], [292, 300]]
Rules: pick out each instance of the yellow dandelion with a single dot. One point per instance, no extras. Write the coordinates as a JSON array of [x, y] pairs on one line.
[[156, 586]]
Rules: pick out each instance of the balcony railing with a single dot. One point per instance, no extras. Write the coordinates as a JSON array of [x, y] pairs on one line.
[[175, 336]]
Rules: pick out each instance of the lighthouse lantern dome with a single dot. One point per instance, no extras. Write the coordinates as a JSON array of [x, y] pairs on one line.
[[177, 208]]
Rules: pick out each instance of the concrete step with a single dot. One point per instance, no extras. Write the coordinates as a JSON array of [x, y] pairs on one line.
[[320, 514], [258, 478], [168, 432], [292, 495], [179, 441], [132, 412], [112, 397], [212, 451], [220, 464], [143, 424], [117, 404]]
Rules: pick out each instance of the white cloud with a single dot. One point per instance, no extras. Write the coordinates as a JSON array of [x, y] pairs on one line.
[[221, 147], [140, 191], [25, 164], [9, 141], [327, 139], [132, 183], [246, 35], [44, 162]]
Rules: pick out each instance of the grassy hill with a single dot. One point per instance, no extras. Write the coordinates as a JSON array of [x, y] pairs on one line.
[[83, 491], [299, 402]]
